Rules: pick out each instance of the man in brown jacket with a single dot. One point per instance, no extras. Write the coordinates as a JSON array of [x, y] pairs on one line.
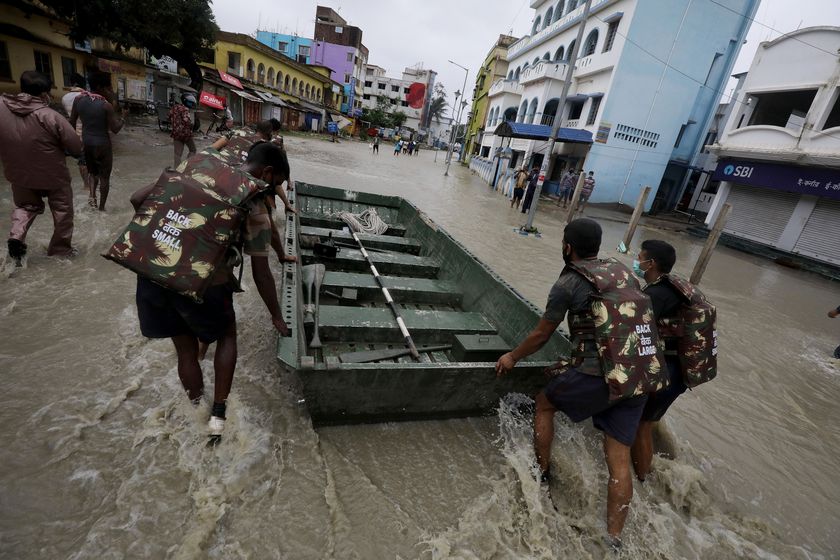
[[34, 141]]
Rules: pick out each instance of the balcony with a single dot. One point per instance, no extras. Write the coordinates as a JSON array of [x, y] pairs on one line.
[[505, 86], [563, 23], [544, 70]]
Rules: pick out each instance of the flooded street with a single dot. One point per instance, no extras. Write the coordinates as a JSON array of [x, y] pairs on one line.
[[105, 458]]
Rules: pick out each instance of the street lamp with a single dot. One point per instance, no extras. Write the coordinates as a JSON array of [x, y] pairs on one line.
[[451, 136]]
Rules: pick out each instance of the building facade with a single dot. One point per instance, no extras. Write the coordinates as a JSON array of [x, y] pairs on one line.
[[342, 45], [408, 94], [779, 155], [494, 68], [295, 47], [647, 80]]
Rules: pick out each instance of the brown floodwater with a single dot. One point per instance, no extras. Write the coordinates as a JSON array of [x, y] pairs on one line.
[[104, 458]]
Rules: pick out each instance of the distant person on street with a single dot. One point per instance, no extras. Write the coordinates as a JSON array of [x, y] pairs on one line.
[[520, 182], [182, 128], [533, 177], [376, 145], [99, 118], [166, 314], [609, 387], [586, 190], [34, 141], [397, 147], [833, 314], [567, 187], [77, 86]]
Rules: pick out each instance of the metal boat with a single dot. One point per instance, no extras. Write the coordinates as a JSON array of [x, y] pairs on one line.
[[459, 313]]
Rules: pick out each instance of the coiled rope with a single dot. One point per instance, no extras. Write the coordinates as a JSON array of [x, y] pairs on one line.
[[366, 222]]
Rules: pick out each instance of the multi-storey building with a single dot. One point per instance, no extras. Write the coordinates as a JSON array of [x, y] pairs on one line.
[[494, 67], [409, 94], [646, 83], [779, 155], [292, 45], [339, 46]]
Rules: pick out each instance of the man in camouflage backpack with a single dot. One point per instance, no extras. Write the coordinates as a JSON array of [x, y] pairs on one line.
[[603, 382], [163, 313]]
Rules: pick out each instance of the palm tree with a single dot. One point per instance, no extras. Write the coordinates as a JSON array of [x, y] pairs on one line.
[[438, 104]]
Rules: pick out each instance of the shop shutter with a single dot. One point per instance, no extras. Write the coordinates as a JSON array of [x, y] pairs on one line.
[[759, 214], [820, 237]]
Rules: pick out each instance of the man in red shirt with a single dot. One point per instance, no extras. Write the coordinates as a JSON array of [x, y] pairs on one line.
[[182, 126]]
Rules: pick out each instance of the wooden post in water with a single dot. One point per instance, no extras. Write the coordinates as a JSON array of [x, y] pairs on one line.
[[711, 242], [634, 219], [576, 197]]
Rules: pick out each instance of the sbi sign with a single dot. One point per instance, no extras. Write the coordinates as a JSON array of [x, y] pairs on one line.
[[738, 171]]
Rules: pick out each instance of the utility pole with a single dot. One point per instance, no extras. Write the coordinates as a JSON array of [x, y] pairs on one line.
[[558, 120], [452, 136]]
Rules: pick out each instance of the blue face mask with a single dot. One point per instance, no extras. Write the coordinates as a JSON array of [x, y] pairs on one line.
[[637, 268]]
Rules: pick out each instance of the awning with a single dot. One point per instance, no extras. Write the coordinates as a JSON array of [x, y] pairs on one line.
[[613, 17], [246, 95], [271, 98], [510, 129], [310, 108]]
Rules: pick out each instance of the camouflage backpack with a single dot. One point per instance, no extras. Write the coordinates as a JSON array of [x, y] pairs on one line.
[[189, 225], [695, 331], [620, 322]]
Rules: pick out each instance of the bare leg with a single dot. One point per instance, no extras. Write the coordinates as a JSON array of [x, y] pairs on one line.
[[224, 364], [94, 184], [543, 431], [189, 371], [202, 350], [179, 151], [104, 188], [642, 450], [619, 485]]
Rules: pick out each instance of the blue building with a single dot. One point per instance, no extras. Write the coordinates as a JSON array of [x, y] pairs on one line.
[[645, 86], [293, 46]]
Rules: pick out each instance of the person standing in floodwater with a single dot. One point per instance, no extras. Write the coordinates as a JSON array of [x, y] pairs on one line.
[[584, 387], [376, 145], [833, 314], [533, 177], [520, 180]]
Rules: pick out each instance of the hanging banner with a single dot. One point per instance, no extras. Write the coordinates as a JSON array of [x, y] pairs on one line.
[[228, 79], [213, 101], [416, 95]]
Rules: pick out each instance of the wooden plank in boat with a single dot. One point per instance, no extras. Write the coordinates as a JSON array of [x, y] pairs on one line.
[[403, 288], [386, 263], [341, 323], [390, 242]]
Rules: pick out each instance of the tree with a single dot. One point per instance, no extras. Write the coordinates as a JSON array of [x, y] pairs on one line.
[[180, 29], [378, 116], [438, 104], [398, 118]]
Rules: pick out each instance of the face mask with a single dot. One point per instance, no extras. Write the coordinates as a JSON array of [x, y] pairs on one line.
[[637, 268]]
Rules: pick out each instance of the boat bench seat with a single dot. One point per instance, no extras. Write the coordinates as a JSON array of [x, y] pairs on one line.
[[320, 220], [403, 289], [390, 242], [365, 324], [386, 263]]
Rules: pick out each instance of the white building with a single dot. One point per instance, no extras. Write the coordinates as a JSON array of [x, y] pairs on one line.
[[398, 92], [779, 155], [643, 92]]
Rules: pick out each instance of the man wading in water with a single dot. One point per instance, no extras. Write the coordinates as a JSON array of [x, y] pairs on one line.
[[584, 387], [165, 314]]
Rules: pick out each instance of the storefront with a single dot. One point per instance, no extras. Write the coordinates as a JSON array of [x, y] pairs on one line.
[[272, 106], [789, 208]]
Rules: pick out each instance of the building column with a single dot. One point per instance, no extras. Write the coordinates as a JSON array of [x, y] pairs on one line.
[[717, 203]]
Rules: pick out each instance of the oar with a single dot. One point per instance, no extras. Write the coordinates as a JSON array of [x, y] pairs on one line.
[[307, 274], [387, 354], [409, 343], [320, 271]]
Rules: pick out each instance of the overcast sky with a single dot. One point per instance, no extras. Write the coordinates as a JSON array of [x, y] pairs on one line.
[[400, 33]]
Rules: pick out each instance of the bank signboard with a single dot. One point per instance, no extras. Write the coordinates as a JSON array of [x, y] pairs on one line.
[[816, 181]]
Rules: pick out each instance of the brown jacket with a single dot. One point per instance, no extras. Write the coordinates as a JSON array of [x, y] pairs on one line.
[[34, 140]]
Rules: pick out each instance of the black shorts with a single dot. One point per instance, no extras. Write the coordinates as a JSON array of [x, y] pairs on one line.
[[517, 193], [164, 314], [99, 159], [580, 396], [659, 402]]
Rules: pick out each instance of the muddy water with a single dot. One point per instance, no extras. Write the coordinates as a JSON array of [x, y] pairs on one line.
[[102, 458]]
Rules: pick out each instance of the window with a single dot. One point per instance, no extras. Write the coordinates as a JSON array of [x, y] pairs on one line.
[[547, 56], [261, 73], [303, 50], [250, 69], [522, 111], [68, 68], [395, 88], [830, 122], [393, 101], [516, 74], [558, 56], [510, 75], [536, 61], [558, 12], [286, 83], [406, 90], [294, 85], [591, 43], [548, 16], [349, 57], [279, 80], [368, 84], [381, 86], [572, 5], [779, 108], [307, 91], [404, 103], [570, 49], [532, 111], [611, 31], [575, 110], [593, 110], [366, 96], [5, 65], [43, 63], [282, 46], [536, 26], [346, 78], [234, 61]]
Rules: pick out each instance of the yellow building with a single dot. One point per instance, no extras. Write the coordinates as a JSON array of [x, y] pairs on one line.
[[494, 68], [304, 89]]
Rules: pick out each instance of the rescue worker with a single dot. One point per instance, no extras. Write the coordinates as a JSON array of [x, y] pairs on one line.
[[835, 313], [690, 356], [164, 313], [586, 386]]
